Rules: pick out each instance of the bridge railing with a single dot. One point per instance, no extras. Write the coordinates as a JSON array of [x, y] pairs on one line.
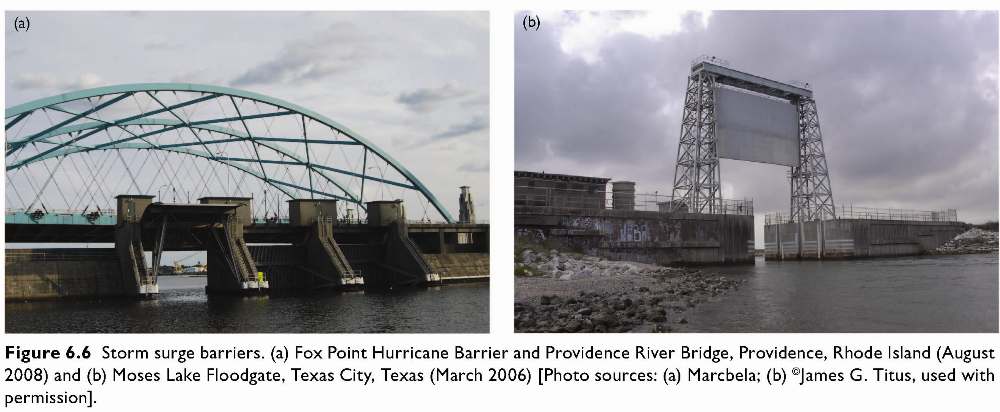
[[58, 217], [77, 217], [584, 199], [872, 213], [260, 220]]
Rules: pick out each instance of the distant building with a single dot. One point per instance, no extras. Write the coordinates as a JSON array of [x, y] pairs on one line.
[[560, 191], [466, 214], [466, 211]]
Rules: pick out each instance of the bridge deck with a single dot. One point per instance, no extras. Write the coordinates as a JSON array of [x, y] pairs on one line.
[[255, 233]]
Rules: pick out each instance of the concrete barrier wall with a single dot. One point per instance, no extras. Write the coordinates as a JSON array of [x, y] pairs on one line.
[[32, 274], [845, 238], [458, 267], [642, 236]]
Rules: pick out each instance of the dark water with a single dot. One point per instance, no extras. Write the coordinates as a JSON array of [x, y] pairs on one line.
[[911, 294], [183, 307]]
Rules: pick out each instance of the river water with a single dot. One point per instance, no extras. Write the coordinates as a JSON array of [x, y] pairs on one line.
[[183, 307], [906, 294]]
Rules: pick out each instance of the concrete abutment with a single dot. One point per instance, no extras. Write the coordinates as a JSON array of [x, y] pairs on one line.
[[856, 238]]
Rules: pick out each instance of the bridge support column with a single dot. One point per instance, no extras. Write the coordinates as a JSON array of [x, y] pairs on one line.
[[231, 268], [128, 245], [324, 258], [402, 264]]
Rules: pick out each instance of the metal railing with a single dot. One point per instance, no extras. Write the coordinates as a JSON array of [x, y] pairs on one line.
[[58, 217], [800, 84], [583, 199], [872, 213], [259, 220], [711, 59], [77, 217]]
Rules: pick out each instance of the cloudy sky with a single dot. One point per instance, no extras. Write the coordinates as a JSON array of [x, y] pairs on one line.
[[907, 100], [416, 84]]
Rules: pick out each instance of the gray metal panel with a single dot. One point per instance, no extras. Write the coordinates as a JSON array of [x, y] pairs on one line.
[[756, 129], [752, 79]]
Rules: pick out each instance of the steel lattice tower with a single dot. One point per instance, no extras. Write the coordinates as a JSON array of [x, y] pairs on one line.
[[812, 197], [696, 174]]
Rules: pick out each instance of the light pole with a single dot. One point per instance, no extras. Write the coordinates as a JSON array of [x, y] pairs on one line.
[[159, 191]]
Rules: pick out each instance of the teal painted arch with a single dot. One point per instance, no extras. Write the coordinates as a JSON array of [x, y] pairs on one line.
[[15, 114]]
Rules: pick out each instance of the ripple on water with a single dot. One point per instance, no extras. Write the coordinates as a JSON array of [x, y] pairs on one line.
[[183, 307], [907, 294]]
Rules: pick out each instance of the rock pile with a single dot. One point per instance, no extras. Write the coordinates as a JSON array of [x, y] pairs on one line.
[[589, 294], [564, 266], [974, 240]]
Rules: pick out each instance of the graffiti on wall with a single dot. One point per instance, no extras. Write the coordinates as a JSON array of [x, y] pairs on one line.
[[584, 222], [627, 231], [535, 235], [633, 232], [670, 231]]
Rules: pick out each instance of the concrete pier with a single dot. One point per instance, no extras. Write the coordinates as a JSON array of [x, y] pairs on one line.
[[137, 279], [849, 238], [315, 262], [220, 229], [313, 251]]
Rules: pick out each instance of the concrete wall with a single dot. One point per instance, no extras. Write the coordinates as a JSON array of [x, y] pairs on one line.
[[231, 267], [244, 213], [305, 212], [845, 238], [643, 236], [457, 267], [31, 274]]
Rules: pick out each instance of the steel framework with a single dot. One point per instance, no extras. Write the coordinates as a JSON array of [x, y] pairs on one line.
[[696, 173], [222, 136], [812, 197]]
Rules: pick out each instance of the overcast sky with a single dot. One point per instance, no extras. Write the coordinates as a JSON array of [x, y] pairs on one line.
[[907, 100], [416, 84]]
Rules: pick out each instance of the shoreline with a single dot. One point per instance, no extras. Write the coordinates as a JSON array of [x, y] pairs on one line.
[[564, 292]]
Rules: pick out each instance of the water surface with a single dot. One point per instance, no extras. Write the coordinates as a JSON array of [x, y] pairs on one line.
[[906, 294], [183, 307]]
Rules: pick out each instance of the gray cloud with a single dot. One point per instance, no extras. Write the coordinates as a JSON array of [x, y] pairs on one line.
[[46, 81], [160, 45], [427, 99], [907, 104], [311, 58], [475, 124], [349, 66], [473, 167], [483, 100]]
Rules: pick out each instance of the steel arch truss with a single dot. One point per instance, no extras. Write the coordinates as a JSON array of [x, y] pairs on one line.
[[66, 151]]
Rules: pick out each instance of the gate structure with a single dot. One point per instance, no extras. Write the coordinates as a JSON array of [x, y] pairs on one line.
[[735, 115]]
